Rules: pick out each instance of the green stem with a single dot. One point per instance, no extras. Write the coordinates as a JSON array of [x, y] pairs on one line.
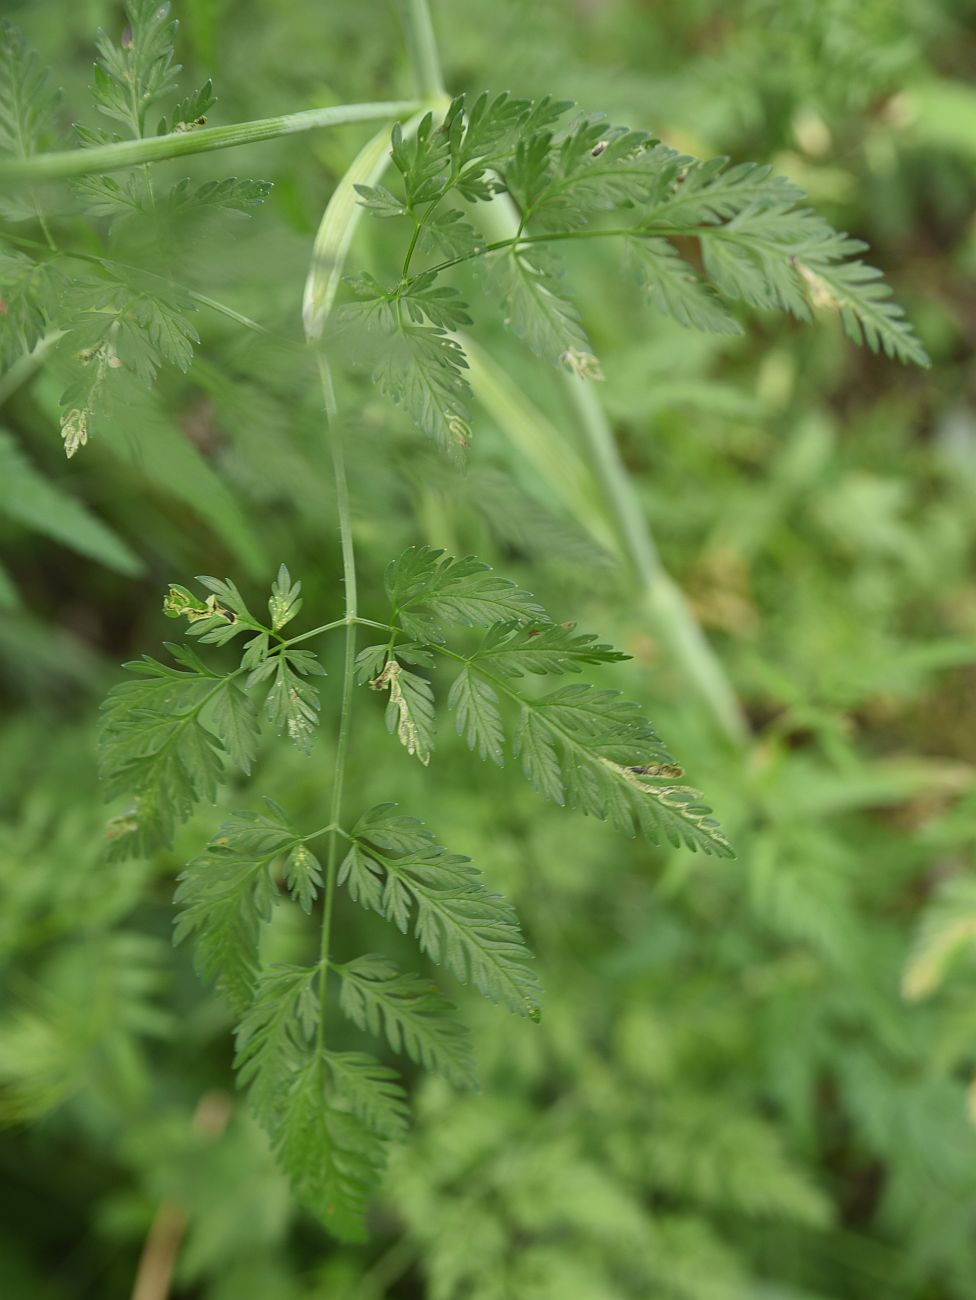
[[25, 365], [422, 48], [132, 153], [331, 247], [664, 597], [317, 631], [556, 236], [417, 227], [348, 678]]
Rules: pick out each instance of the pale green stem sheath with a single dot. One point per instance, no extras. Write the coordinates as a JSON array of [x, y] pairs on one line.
[[177, 144], [24, 366], [422, 48], [336, 230]]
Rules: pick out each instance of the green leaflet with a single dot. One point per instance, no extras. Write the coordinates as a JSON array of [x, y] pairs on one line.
[[580, 747], [158, 742], [292, 704], [592, 751], [538, 311], [120, 323], [273, 1039], [168, 738], [227, 893], [412, 1014], [32, 290], [329, 1115], [478, 716], [332, 1156], [429, 591], [410, 710], [285, 601], [28, 103], [140, 69], [455, 918], [515, 649], [674, 289], [125, 201]]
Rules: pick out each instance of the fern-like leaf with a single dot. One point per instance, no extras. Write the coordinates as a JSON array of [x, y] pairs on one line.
[[28, 111], [273, 1038], [674, 289], [333, 1158], [227, 893], [478, 717], [329, 1115], [538, 310], [371, 1091], [429, 591], [160, 741], [611, 765], [139, 70], [455, 918], [515, 649], [414, 1016]]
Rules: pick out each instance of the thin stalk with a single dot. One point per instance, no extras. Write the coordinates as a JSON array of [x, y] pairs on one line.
[[24, 366], [336, 229], [132, 153], [422, 48], [557, 236], [665, 599], [316, 631], [348, 679], [331, 248]]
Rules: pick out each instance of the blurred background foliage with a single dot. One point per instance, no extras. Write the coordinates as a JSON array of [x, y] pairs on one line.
[[754, 1080]]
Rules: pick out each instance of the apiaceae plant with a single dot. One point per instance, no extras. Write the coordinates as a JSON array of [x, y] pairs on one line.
[[491, 180]]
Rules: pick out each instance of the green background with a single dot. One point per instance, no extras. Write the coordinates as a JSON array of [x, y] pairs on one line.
[[753, 1078]]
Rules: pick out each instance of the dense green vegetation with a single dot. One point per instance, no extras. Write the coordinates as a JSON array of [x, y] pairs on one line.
[[751, 1077]]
